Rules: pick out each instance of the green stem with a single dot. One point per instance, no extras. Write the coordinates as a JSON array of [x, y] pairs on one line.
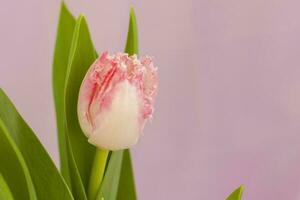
[[97, 173]]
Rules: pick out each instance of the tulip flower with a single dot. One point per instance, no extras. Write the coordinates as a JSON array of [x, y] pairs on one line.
[[115, 100]]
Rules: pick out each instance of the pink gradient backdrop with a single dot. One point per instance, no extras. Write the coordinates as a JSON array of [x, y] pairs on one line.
[[228, 107]]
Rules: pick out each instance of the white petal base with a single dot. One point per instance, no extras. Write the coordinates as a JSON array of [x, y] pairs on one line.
[[119, 127]]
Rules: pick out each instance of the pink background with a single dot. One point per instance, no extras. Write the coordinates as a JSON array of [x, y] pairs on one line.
[[228, 108]]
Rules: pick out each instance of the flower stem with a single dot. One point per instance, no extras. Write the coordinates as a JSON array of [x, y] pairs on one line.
[[97, 173]]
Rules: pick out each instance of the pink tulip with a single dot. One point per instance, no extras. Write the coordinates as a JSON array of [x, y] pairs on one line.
[[116, 99]]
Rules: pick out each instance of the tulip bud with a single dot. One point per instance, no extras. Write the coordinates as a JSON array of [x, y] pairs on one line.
[[116, 99]]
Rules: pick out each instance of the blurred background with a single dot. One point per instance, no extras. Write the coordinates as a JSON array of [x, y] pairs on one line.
[[228, 108]]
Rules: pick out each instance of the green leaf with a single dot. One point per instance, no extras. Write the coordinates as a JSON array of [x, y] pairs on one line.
[[109, 186], [236, 194], [5, 192], [14, 168], [76, 183], [63, 67], [82, 55], [132, 46], [127, 185], [47, 181], [65, 30]]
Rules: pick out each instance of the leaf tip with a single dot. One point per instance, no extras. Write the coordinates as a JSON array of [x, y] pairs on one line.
[[82, 19], [63, 6], [64, 10], [132, 35], [237, 193], [132, 13], [241, 189]]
